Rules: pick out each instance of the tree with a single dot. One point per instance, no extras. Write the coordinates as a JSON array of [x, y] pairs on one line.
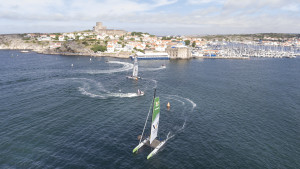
[[97, 48], [187, 42], [193, 44]]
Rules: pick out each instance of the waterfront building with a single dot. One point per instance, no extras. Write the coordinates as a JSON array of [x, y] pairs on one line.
[[182, 52]]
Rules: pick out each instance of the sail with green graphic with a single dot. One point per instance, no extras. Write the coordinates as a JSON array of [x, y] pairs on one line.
[[155, 119]]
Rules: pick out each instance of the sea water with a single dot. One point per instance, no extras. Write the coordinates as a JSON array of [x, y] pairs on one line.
[[81, 112]]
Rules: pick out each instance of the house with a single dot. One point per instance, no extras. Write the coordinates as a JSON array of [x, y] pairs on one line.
[[52, 36], [110, 48], [71, 36], [128, 48], [118, 47], [61, 38], [160, 48]]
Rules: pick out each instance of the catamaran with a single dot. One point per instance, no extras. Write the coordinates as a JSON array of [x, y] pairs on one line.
[[135, 70], [151, 140], [140, 93]]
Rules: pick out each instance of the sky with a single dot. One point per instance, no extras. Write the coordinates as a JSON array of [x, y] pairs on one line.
[[158, 17]]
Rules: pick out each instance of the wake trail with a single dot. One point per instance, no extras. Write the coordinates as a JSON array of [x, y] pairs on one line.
[[179, 99], [107, 95], [126, 66], [152, 80], [152, 69], [93, 88]]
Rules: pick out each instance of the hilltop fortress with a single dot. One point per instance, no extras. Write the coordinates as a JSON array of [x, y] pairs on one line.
[[100, 29]]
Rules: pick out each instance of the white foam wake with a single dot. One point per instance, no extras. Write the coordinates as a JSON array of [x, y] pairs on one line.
[[153, 80], [126, 66], [122, 95], [180, 99], [106, 95], [152, 69]]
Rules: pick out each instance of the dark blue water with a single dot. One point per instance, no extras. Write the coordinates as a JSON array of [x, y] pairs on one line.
[[224, 113]]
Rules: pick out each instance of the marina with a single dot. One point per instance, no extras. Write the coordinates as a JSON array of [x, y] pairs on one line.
[[245, 51]]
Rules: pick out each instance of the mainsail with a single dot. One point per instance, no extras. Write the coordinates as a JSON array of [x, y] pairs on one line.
[[135, 68], [155, 119]]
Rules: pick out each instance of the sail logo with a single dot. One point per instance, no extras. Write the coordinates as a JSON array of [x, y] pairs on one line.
[[156, 104], [155, 126]]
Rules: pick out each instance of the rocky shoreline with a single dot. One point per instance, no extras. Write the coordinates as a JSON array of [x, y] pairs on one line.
[[15, 42]]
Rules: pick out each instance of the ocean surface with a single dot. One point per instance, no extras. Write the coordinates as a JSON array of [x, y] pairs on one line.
[[224, 113]]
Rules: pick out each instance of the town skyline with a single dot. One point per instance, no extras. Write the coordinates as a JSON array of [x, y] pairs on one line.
[[158, 17]]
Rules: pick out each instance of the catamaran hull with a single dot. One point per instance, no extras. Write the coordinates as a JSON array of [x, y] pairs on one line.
[[140, 145], [156, 149]]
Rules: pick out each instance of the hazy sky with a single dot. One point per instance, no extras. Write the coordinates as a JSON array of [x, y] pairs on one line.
[[159, 17]]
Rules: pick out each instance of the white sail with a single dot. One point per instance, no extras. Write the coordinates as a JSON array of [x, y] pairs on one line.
[[135, 68], [155, 119]]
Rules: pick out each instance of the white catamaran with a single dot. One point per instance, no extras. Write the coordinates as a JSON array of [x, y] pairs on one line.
[[135, 70], [151, 140]]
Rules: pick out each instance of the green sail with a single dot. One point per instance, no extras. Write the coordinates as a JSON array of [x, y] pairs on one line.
[[155, 119]]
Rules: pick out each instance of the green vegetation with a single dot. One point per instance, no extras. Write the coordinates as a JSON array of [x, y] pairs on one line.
[[87, 30], [187, 42], [193, 44], [138, 33], [167, 38], [85, 43], [26, 38], [97, 48], [140, 50]]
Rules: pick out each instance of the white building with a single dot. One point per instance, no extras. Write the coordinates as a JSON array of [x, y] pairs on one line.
[[160, 48], [61, 38], [110, 48]]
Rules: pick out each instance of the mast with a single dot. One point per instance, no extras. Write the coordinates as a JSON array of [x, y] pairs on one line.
[[148, 115]]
